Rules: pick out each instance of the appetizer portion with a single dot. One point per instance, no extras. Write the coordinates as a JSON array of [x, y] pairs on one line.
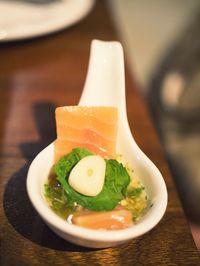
[[89, 185]]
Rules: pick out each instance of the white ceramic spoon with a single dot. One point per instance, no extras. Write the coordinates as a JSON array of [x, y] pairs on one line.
[[104, 86]]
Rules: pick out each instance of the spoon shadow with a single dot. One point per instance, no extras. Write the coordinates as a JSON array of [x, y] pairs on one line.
[[18, 209]]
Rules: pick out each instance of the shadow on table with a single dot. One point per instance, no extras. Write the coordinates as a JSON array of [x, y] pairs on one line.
[[17, 206]]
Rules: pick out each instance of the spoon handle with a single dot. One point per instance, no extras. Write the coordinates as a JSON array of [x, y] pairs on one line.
[[105, 82], [105, 85]]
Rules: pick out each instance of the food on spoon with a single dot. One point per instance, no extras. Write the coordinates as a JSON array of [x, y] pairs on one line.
[[87, 176], [90, 185], [115, 184], [93, 128], [110, 220]]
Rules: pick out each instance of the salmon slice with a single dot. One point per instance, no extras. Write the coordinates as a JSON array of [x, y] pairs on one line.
[[93, 128], [111, 220]]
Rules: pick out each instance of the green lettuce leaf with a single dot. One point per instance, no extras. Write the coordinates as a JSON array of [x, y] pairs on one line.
[[114, 189]]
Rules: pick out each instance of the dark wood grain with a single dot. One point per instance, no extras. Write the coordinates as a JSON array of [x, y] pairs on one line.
[[35, 77]]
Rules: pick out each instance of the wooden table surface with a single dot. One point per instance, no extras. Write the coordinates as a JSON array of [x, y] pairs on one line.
[[35, 77]]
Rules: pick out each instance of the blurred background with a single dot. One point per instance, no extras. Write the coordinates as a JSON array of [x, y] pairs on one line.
[[162, 41]]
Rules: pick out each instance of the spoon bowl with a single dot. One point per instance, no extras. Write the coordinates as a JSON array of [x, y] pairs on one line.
[[104, 86]]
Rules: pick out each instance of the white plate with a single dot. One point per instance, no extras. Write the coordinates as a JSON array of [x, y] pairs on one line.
[[22, 20]]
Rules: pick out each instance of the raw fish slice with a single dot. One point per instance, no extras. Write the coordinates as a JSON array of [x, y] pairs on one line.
[[71, 133], [94, 128], [111, 220]]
